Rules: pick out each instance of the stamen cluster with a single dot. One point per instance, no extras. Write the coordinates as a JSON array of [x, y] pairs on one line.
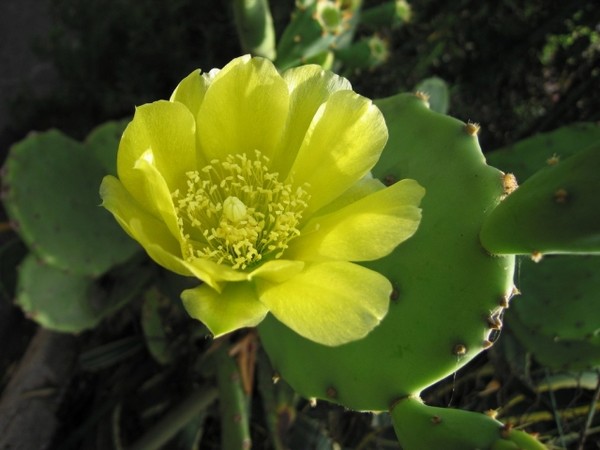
[[237, 212]]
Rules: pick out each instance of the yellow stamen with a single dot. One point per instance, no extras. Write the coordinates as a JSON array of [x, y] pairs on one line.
[[237, 212]]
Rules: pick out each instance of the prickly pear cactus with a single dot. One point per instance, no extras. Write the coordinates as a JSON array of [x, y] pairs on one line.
[[255, 27], [450, 293], [528, 156], [557, 210], [316, 28], [50, 182], [425, 427], [50, 185], [557, 317], [70, 303]]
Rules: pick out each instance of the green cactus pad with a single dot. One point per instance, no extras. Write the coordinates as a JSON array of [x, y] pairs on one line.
[[393, 13], [103, 143], [557, 318], [438, 93], [50, 191], [450, 292], [419, 426], [367, 53], [234, 404], [570, 355], [557, 210], [255, 28], [560, 297], [526, 157], [313, 32], [71, 303]]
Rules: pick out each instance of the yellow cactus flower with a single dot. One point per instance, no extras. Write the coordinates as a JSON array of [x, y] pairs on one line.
[[258, 185]]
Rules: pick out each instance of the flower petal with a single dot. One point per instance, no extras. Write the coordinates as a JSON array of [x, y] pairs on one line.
[[157, 240], [190, 91], [168, 130], [363, 187], [310, 86], [368, 229], [235, 307], [343, 143], [244, 109], [214, 274], [157, 189], [146, 229], [278, 270], [330, 303]]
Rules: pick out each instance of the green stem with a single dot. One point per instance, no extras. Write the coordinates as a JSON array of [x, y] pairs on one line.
[[168, 427], [234, 404]]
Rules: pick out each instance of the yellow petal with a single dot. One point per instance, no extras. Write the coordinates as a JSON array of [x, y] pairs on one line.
[[330, 303], [363, 187], [368, 229], [244, 109], [146, 229], [168, 131], [277, 270], [157, 189], [310, 86], [343, 143], [213, 274], [190, 91], [155, 237], [235, 307]]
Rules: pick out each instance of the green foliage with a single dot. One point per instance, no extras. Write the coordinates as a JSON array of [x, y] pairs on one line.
[[559, 297], [394, 13], [437, 92], [366, 53], [255, 27], [55, 299], [50, 187], [554, 211], [234, 403], [557, 317], [314, 30], [420, 426], [102, 142], [68, 302], [51, 195], [530, 155]]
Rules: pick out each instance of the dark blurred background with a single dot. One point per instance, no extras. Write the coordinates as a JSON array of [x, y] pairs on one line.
[[515, 66]]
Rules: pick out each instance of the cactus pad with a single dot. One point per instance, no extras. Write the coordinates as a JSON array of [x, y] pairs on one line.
[[557, 318], [419, 426], [450, 293], [70, 303], [526, 157], [50, 188], [557, 210]]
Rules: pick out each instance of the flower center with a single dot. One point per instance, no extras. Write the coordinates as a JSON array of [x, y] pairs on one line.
[[237, 212]]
